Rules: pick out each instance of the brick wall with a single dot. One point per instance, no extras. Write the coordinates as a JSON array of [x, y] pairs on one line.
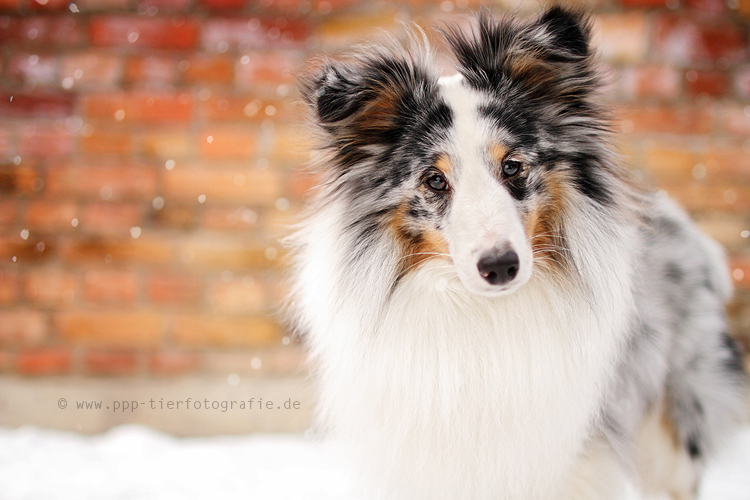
[[151, 152]]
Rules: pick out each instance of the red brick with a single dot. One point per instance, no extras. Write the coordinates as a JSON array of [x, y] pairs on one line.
[[666, 120], [172, 143], [19, 105], [153, 33], [107, 141], [174, 289], [8, 286], [50, 287], [728, 163], [712, 83], [118, 287], [8, 210], [209, 69], [103, 5], [151, 70], [639, 4], [252, 33], [19, 179], [225, 331], [113, 181], [223, 4], [341, 31], [291, 145], [29, 68], [651, 81], [49, 5], [139, 108], [50, 215], [116, 251], [166, 5], [226, 253], [33, 250], [684, 41], [45, 361], [22, 327], [237, 185], [92, 69], [112, 218], [110, 363], [42, 31], [111, 329], [167, 363], [7, 361], [42, 140], [9, 4], [709, 8]]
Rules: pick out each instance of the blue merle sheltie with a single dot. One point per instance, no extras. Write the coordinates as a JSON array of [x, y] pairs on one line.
[[493, 310]]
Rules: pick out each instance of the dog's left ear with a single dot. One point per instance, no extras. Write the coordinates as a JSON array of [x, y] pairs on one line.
[[564, 31]]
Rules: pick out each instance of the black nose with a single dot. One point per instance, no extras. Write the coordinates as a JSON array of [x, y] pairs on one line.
[[498, 268]]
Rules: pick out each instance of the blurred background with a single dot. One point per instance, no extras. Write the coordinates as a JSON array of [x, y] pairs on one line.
[[152, 152]]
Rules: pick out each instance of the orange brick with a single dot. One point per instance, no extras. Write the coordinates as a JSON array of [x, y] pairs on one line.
[[726, 229], [172, 144], [8, 286], [736, 119], [112, 218], [45, 361], [281, 360], [173, 362], [291, 145], [151, 70], [268, 70], [119, 251], [91, 69], [666, 120], [175, 289], [173, 216], [49, 215], [670, 165], [241, 295], [109, 181], [110, 287], [8, 210], [227, 143], [728, 163], [225, 331], [229, 219], [35, 249], [712, 83], [226, 253], [209, 69], [102, 140], [21, 327], [139, 108], [250, 108], [110, 363], [110, 329], [238, 185], [697, 197], [50, 287], [338, 32], [19, 179], [740, 269], [622, 37]]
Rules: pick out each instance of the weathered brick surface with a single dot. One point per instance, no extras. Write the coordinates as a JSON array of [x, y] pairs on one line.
[[152, 153]]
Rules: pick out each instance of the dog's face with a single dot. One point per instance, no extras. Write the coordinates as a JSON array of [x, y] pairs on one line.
[[479, 169]]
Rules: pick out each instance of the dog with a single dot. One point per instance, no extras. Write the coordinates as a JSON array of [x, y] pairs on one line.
[[493, 309]]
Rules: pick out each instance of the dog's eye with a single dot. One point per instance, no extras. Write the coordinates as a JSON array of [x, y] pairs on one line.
[[511, 168], [436, 182]]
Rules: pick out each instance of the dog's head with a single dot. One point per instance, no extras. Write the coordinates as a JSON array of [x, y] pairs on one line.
[[480, 169]]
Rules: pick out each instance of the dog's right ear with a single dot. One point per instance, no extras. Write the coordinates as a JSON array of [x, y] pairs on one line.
[[335, 93]]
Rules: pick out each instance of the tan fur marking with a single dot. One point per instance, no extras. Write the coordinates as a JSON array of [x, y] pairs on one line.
[[664, 464], [443, 163], [542, 224], [415, 251], [497, 152]]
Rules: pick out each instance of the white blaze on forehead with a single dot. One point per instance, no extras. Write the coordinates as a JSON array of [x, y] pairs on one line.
[[483, 216]]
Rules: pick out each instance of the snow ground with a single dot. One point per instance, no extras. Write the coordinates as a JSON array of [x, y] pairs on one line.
[[136, 463]]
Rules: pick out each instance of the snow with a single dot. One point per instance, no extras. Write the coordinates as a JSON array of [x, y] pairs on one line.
[[133, 462]]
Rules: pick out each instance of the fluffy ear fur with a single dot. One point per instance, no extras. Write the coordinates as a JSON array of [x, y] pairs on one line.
[[367, 101], [547, 57]]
